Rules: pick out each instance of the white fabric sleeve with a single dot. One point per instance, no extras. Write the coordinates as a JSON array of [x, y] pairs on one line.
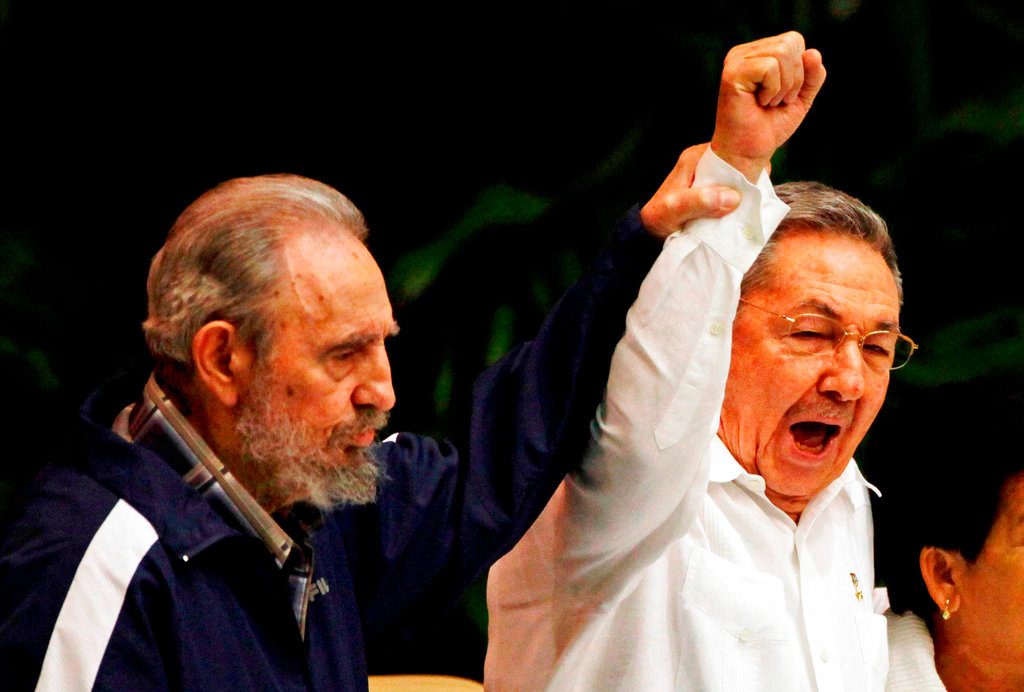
[[645, 475], [911, 655]]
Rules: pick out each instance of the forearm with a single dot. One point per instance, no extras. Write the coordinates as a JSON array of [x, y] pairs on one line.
[[532, 409], [452, 514], [644, 475]]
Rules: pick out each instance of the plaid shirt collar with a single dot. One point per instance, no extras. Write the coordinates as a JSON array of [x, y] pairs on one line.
[[156, 423]]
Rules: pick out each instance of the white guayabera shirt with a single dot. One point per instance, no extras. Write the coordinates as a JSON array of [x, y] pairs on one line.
[[661, 564]]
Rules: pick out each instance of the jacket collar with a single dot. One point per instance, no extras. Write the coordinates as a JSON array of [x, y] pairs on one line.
[[162, 467]]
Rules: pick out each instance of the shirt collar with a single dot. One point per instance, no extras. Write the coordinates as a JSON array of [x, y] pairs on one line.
[[156, 423], [859, 478], [725, 469]]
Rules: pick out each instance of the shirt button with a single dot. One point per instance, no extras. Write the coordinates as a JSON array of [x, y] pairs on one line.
[[747, 232], [824, 655], [744, 635], [716, 328]]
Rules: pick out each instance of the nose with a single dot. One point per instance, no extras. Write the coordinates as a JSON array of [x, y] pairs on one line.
[[843, 379], [375, 388]]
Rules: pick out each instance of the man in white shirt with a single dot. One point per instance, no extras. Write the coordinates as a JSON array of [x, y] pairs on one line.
[[717, 535]]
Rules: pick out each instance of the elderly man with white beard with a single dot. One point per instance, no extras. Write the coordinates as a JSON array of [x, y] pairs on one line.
[[237, 526]]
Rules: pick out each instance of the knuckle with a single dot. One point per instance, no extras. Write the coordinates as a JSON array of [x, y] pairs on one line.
[[735, 51], [735, 54], [692, 153], [794, 41]]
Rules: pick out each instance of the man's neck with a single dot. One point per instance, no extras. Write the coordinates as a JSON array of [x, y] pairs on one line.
[[967, 668], [793, 507], [215, 426]]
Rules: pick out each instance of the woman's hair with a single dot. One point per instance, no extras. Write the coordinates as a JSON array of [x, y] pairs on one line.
[[941, 458]]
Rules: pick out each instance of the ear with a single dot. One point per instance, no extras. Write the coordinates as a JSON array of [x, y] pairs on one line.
[[223, 362], [941, 570]]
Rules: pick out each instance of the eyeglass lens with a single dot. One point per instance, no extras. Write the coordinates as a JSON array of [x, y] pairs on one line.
[[817, 334]]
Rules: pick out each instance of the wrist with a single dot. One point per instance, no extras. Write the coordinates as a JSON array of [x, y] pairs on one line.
[[750, 167]]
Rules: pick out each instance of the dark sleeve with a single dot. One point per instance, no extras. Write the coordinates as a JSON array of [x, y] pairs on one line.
[[39, 555], [445, 517], [41, 566], [142, 641]]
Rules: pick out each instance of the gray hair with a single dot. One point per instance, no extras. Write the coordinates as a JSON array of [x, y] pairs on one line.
[[819, 208], [221, 259]]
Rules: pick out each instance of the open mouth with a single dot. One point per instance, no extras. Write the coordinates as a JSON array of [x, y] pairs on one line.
[[813, 437]]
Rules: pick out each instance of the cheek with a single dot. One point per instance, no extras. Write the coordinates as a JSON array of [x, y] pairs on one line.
[[870, 404], [875, 389], [758, 391], [332, 409], [994, 599], [741, 407], [750, 378], [321, 406]]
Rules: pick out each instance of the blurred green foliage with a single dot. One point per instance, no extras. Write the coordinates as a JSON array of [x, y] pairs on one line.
[[22, 314], [999, 118], [988, 344], [496, 205]]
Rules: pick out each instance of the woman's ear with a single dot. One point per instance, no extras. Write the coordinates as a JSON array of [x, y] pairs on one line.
[[941, 569], [223, 363]]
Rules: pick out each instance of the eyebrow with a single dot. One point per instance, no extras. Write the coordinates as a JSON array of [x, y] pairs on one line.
[[829, 311], [362, 339]]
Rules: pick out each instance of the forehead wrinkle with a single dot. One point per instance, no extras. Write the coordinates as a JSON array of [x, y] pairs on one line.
[[299, 283], [826, 255]]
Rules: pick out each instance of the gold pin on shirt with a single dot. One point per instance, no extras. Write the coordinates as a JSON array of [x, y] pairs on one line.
[[856, 586]]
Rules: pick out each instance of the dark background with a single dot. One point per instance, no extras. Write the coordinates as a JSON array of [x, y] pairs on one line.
[[491, 148]]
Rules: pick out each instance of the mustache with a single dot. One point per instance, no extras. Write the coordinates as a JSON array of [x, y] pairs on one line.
[[818, 410], [366, 419]]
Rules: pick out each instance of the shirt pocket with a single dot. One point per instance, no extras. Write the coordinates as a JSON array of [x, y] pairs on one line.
[[747, 604], [874, 647]]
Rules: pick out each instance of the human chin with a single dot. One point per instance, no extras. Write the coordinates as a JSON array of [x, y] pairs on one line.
[[804, 458], [344, 471], [350, 479], [289, 461]]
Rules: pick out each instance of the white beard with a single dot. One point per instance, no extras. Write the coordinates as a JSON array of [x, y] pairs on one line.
[[286, 460]]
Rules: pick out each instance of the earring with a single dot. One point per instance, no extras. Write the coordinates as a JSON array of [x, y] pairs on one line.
[[945, 610]]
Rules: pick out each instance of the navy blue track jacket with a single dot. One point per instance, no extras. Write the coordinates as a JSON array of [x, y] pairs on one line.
[[155, 590]]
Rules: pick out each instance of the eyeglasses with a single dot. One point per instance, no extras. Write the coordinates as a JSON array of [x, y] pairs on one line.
[[819, 335]]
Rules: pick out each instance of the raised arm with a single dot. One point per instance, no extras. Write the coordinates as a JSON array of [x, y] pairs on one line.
[[447, 512], [645, 475]]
